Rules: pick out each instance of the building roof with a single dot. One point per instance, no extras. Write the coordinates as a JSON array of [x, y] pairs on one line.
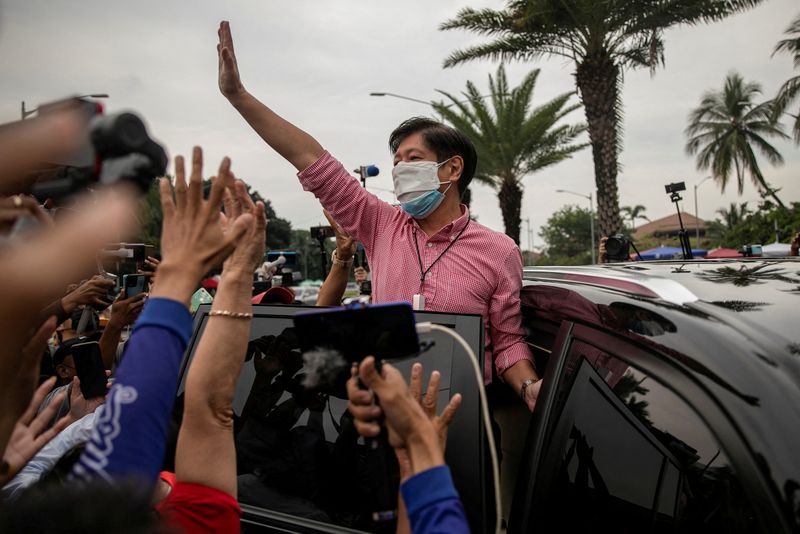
[[669, 226]]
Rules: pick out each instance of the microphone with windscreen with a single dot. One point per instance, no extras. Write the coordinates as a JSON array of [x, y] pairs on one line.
[[366, 171]]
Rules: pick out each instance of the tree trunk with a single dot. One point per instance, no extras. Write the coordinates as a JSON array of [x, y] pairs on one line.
[[597, 78], [510, 197]]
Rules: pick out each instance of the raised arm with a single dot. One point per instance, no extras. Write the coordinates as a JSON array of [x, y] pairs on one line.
[[206, 454], [129, 438], [295, 145], [330, 294]]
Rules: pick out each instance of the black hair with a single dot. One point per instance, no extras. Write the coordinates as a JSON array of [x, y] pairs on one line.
[[96, 508], [444, 140]]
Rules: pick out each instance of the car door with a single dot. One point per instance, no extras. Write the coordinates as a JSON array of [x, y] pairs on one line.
[[623, 440], [300, 464]]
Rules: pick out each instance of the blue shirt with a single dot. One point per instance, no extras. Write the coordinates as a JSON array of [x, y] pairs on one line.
[[130, 433], [432, 502]]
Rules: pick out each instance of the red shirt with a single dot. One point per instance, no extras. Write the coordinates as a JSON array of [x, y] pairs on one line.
[[195, 508], [480, 274]]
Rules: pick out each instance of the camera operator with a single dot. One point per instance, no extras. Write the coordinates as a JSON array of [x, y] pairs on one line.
[[429, 252]]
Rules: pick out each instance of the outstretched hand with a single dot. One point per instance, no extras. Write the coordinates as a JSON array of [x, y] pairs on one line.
[[29, 435], [230, 83], [193, 239], [410, 418], [345, 245], [250, 248]]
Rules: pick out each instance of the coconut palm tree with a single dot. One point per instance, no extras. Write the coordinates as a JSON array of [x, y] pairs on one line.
[[602, 37], [790, 91], [724, 130], [633, 213], [513, 138], [733, 215]]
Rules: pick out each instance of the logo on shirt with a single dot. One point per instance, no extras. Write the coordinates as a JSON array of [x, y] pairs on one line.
[[107, 428]]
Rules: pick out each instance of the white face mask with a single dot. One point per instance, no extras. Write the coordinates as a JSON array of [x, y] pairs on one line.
[[415, 178]]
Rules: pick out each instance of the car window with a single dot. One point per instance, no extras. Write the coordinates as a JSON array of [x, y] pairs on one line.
[[627, 454], [297, 451]]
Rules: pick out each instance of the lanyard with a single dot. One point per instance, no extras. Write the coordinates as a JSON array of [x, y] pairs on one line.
[[422, 273]]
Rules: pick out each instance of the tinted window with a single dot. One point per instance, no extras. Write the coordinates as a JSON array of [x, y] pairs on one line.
[[629, 455], [297, 450]]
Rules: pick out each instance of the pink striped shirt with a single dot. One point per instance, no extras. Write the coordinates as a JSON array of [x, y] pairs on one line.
[[480, 274]]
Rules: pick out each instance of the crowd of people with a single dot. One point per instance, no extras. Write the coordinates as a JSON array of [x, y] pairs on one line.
[[77, 459]]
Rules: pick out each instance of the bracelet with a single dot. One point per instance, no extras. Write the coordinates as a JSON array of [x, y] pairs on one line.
[[341, 263], [232, 315], [525, 384]]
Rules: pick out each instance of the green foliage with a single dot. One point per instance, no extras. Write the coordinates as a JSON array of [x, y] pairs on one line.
[[727, 129], [632, 213], [568, 237], [150, 217], [308, 249], [278, 230], [602, 38], [757, 227], [512, 138], [789, 92]]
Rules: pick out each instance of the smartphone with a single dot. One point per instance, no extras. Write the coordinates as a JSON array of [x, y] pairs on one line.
[[386, 331], [89, 365], [135, 284]]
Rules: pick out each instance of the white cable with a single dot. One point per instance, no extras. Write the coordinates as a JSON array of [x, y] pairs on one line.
[[424, 328]]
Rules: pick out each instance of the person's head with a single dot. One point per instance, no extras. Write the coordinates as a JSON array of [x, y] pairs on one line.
[[63, 361], [421, 139]]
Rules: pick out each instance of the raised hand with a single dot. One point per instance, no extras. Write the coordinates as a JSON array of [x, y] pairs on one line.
[[192, 238], [91, 292], [29, 435], [230, 83], [15, 207], [345, 245], [249, 252]]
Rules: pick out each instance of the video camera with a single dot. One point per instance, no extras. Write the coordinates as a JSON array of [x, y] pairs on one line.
[[320, 233], [117, 148], [676, 187]]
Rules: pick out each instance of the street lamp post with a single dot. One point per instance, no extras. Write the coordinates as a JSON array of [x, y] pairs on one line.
[[696, 214], [426, 102], [28, 112], [591, 218]]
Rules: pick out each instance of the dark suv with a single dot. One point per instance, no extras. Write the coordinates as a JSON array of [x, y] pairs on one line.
[[670, 403]]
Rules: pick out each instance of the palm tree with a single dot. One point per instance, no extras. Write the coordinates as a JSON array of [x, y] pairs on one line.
[[790, 91], [726, 127], [734, 215], [513, 139], [635, 212], [602, 37]]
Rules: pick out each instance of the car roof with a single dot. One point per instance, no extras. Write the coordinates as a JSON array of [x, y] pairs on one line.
[[732, 323], [764, 293]]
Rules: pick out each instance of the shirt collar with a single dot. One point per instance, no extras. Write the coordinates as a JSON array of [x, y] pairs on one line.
[[450, 229]]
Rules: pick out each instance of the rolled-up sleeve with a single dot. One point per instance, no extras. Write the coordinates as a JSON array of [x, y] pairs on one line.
[[505, 316], [358, 211]]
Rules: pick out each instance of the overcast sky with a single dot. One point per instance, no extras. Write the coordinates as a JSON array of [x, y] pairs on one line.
[[315, 63]]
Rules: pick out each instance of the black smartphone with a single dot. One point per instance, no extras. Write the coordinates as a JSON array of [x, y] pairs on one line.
[[89, 365], [134, 284], [386, 331]]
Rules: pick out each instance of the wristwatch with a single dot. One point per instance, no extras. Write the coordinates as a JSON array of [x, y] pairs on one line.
[[525, 385]]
